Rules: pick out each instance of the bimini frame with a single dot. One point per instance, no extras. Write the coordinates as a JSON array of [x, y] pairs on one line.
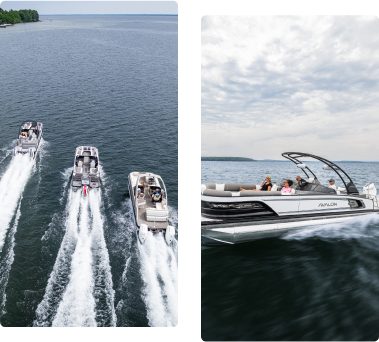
[[349, 185]]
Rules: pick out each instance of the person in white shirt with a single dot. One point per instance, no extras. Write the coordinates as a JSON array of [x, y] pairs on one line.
[[331, 184]]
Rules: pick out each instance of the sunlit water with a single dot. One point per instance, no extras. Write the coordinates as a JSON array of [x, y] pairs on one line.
[[320, 283]]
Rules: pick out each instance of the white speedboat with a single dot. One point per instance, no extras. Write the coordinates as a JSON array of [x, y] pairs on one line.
[[149, 201], [29, 138], [86, 174], [230, 216]]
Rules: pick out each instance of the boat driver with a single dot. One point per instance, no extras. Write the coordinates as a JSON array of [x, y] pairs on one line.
[[332, 184], [301, 181]]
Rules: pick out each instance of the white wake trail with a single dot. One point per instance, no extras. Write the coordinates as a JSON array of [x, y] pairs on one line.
[[156, 313], [80, 289], [77, 308], [46, 310], [12, 185], [103, 291], [7, 260]]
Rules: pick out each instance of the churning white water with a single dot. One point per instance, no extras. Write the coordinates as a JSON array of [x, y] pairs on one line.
[[12, 185], [71, 298], [159, 273]]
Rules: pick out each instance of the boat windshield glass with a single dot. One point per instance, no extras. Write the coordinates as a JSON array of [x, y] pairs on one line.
[[307, 187]]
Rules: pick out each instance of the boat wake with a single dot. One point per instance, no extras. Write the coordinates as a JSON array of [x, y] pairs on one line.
[[356, 228], [79, 291], [12, 185], [159, 271]]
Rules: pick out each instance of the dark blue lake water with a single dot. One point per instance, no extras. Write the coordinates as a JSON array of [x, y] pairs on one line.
[[103, 81], [320, 284]]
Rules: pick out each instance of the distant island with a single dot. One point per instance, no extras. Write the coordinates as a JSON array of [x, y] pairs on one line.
[[21, 16], [227, 159]]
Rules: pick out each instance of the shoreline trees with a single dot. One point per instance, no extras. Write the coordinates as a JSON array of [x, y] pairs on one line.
[[21, 16]]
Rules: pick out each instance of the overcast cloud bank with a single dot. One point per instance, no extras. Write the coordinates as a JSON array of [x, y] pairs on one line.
[[276, 84]]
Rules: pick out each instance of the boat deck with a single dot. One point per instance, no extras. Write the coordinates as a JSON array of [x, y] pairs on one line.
[[142, 215]]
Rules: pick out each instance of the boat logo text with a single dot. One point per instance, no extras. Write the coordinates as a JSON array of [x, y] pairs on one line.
[[332, 204]]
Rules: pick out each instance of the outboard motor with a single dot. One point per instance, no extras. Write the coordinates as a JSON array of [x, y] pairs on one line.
[[142, 234], [170, 234], [370, 190], [85, 190]]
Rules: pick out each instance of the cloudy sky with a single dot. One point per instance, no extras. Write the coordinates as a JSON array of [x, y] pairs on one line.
[[189, 6], [285, 83]]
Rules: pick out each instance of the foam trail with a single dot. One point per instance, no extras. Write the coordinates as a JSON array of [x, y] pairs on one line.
[[166, 270], [66, 178], [7, 260], [80, 289], [12, 185], [103, 291], [156, 313], [58, 280], [355, 228], [77, 308]]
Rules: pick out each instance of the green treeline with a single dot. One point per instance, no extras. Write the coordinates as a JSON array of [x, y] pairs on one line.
[[21, 16]]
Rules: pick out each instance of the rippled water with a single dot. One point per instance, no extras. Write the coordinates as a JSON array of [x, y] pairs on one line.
[[321, 283], [109, 82]]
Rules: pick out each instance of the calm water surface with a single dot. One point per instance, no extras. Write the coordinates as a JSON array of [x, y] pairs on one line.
[[319, 284], [109, 82]]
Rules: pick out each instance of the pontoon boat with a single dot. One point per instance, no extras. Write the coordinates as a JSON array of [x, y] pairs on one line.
[[230, 216], [86, 173], [149, 200], [29, 138]]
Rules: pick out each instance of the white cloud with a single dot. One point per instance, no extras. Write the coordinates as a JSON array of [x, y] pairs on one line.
[[271, 84]]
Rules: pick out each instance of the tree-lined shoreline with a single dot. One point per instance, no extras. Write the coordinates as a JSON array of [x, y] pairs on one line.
[[21, 16]]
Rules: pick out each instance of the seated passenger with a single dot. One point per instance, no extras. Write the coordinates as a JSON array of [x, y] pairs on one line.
[[143, 186], [265, 186], [332, 184], [287, 190], [80, 163]]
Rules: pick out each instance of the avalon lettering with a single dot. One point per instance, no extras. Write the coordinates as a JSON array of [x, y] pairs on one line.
[[333, 204]]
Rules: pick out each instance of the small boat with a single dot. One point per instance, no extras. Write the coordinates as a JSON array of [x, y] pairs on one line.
[[149, 201], [230, 216], [29, 138], [86, 173]]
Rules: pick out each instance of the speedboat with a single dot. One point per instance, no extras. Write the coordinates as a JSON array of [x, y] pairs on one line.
[[29, 138], [149, 201], [230, 216], [86, 173]]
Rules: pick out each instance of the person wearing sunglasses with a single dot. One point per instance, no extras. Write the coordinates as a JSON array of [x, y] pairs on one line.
[[287, 190], [265, 186]]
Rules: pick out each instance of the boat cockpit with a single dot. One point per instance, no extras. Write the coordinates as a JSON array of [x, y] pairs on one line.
[[29, 136], [151, 199], [86, 167]]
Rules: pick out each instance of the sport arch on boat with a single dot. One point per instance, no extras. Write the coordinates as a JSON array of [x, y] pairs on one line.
[[231, 215], [350, 187]]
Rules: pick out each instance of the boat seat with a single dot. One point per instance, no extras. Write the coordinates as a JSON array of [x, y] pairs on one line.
[[78, 169], [259, 193], [92, 164], [153, 214], [93, 171], [236, 186]]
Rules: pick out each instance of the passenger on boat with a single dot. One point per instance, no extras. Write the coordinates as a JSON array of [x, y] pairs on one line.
[[332, 183], [301, 181], [287, 190], [143, 184], [265, 186]]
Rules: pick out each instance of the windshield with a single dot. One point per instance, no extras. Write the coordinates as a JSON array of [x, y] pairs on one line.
[[306, 187]]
